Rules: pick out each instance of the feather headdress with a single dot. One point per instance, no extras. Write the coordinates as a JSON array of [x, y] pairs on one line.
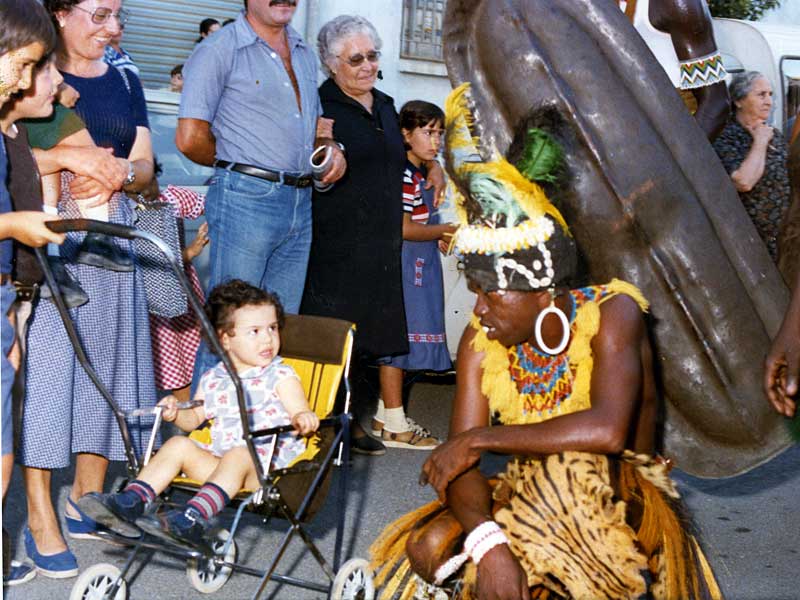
[[512, 237]]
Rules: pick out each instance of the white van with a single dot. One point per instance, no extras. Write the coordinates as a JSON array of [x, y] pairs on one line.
[[771, 49]]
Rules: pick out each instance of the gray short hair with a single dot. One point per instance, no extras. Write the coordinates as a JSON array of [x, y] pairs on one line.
[[333, 34], [741, 84]]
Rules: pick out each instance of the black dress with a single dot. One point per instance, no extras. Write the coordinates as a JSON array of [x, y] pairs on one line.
[[354, 271]]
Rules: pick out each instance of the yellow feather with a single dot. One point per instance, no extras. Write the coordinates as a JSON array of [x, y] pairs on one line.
[[458, 124]]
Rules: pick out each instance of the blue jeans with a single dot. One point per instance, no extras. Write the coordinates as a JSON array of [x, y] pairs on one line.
[[260, 232], [7, 296]]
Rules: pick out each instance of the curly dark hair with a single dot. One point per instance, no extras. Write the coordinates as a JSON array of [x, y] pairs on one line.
[[227, 297], [25, 22]]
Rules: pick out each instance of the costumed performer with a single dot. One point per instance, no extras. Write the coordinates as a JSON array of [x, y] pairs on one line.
[[584, 509]]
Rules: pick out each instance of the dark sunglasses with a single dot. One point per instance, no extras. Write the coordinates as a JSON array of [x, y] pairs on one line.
[[358, 59], [100, 16]]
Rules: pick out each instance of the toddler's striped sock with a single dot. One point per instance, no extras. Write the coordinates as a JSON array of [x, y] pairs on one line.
[[136, 491], [209, 500]]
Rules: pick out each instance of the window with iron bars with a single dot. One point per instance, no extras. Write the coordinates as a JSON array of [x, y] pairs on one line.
[[422, 29]]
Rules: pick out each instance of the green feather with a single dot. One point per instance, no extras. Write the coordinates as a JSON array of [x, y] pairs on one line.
[[496, 200], [542, 158]]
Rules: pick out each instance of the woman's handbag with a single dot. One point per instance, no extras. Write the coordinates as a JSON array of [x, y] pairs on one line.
[[165, 296]]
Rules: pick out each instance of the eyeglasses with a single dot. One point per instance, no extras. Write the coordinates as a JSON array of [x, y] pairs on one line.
[[358, 59], [100, 16]]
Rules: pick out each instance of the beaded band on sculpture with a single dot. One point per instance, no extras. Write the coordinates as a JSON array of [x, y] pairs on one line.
[[702, 72]]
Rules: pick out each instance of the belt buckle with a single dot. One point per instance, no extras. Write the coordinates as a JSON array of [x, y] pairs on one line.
[[27, 293]]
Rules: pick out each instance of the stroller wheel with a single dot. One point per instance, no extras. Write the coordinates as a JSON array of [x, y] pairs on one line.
[[353, 581], [204, 574], [95, 583]]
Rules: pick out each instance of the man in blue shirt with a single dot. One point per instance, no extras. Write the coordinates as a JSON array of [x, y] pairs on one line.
[[250, 107]]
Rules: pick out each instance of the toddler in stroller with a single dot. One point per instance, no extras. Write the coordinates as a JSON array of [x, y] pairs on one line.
[[247, 321]]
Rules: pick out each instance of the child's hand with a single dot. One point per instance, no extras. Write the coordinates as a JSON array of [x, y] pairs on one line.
[[169, 408], [28, 227], [67, 95], [194, 249], [447, 237], [305, 422]]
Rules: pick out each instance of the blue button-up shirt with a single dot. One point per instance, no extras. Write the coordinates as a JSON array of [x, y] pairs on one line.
[[237, 82]]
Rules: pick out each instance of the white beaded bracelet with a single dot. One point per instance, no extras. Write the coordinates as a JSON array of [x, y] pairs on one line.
[[483, 538]]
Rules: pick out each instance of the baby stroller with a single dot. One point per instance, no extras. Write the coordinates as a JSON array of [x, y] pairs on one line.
[[319, 349]]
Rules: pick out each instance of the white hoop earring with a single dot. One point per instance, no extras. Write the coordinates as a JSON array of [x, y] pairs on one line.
[[552, 309]]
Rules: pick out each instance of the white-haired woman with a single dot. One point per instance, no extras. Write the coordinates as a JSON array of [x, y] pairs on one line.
[[354, 271], [754, 153]]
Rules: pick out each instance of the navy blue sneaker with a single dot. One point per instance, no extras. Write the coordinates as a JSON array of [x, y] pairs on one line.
[[109, 511], [19, 572], [181, 527]]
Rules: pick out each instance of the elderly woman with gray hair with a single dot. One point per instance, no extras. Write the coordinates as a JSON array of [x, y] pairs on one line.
[[754, 153], [354, 271]]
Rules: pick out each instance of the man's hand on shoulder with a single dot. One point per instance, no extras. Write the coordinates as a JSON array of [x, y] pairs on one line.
[[500, 576]]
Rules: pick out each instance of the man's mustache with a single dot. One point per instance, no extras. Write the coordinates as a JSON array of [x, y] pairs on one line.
[[283, 3]]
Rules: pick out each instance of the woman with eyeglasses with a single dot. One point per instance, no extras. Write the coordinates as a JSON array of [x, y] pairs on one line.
[[63, 413], [354, 271]]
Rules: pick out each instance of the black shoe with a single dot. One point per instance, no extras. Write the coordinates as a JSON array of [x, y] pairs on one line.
[[99, 250], [367, 445], [71, 290], [108, 511], [180, 527]]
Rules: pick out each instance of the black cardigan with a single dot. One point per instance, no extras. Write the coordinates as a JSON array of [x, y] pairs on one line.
[[354, 272]]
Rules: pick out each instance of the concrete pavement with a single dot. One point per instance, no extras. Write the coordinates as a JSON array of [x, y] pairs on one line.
[[750, 524]]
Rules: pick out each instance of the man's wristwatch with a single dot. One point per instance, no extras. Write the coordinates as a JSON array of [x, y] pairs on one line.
[[131, 174]]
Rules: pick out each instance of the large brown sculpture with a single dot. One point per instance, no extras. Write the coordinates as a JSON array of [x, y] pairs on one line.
[[647, 201]]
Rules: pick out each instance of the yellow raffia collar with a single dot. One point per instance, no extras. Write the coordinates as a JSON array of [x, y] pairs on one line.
[[501, 390]]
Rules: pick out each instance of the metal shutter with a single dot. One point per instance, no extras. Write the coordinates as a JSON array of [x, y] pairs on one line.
[[161, 33]]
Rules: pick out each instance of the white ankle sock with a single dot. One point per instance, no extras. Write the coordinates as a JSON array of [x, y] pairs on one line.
[[380, 413], [395, 420], [52, 249]]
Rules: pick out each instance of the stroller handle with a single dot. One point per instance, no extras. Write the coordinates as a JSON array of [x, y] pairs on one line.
[[112, 229]]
